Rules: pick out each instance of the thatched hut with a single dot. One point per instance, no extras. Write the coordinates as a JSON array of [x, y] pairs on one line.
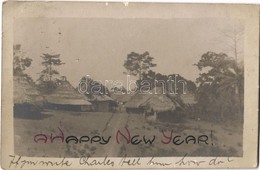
[[27, 99], [183, 101], [121, 100], [184, 106], [158, 103], [150, 103], [66, 97], [136, 103], [102, 103]]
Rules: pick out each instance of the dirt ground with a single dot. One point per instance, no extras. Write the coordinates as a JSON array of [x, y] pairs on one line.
[[223, 140]]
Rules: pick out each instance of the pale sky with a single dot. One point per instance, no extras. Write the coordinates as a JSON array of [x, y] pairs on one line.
[[102, 45]]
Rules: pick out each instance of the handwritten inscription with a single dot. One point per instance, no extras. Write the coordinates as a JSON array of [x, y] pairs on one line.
[[93, 162], [18, 162], [130, 161], [152, 161], [185, 161], [182, 161]]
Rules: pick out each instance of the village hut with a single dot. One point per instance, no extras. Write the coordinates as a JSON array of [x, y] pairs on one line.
[[158, 103], [102, 103], [150, 104], [27, 99], [135, 104], [121, 100], [183, 101], [66, 97], [184, 105]]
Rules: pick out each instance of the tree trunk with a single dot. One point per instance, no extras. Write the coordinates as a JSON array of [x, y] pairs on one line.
[[222, 116], [50, 73], [240, 107]]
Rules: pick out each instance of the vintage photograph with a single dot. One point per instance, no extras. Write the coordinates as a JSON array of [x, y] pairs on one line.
[[135, 87]]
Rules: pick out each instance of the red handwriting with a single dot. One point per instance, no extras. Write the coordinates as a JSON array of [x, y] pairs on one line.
[[135, 139], [44, 138], [60, 138]]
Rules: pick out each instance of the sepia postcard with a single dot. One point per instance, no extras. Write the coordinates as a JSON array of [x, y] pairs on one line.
[[102, 85]]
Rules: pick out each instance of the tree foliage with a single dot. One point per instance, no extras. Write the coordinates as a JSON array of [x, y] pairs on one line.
[[221, 86], [140, 65], [49, 62], [119, 90], [48, 76], [155, 79], [21, 63], [137, 64]]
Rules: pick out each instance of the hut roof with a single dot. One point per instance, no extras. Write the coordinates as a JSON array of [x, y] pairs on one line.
[[66, 94], [137, 100], [100, 98], [158, 101], [121, 97], [24, 92]]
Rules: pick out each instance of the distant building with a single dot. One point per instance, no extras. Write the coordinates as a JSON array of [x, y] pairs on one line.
[[102, 103], [121, 98], [150, 103], [183, 100], [140, 103], [66, 97]]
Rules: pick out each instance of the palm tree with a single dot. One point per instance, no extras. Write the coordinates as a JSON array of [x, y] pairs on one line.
[[232, 80]]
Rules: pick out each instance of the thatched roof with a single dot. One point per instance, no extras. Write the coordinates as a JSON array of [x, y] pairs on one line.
[[137, 100], [157, 101], [121, 97], [24, 92], [100, 98], [66, 94]]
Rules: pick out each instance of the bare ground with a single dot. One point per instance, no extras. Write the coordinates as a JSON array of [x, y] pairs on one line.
[[226, 140]]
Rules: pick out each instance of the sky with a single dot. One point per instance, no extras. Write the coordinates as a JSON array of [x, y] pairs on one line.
[[99, 46]]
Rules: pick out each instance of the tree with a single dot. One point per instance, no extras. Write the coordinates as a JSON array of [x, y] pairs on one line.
[[20, 63], [232, 38], [46, 81], [140, 65], [156, 79], [220, 85], [137, 64], [233, 80], [49, 61], [118, 90]]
